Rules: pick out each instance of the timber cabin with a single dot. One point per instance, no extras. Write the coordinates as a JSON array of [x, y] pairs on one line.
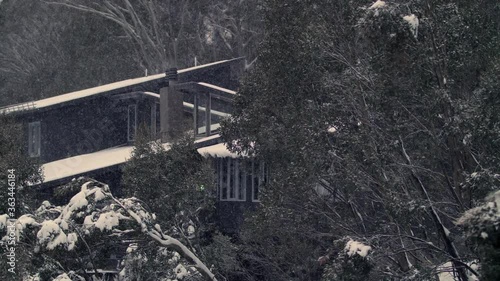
[[91, 132]]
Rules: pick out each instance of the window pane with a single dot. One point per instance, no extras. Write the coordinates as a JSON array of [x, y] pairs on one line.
[[37, 139], [241, 182], [249, 176], [255, 172], [220, 109], [201, 120], [223, 178], [256, 192], [231, 178]]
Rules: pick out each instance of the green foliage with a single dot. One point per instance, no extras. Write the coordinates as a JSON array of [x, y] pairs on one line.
[[482, 226], [146, 261], [223, 254], [409, 88], [175, 182], [346, 267]]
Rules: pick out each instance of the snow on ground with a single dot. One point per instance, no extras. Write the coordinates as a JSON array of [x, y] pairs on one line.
[[354, 247]]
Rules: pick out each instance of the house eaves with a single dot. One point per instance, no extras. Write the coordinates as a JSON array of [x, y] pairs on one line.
[[65, 169], [129, 85]]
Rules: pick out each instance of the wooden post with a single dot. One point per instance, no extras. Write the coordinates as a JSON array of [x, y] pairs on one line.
[[195, 115], [208, 123]]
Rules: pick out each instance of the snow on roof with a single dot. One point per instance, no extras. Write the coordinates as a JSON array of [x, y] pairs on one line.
[[217, 150], [77, 165], [155, 95], [84, 163], [217, 88], [207, 138], [213, 127], [201, 108], [191, 106], [96, 90], [80, 164]]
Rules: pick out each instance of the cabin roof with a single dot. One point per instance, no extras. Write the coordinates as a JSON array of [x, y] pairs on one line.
[[217, 151], [116, 86], [81, 164], [216, 88], [67, 168]]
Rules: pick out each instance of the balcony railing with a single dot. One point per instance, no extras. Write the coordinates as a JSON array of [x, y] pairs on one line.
[[210, 103]]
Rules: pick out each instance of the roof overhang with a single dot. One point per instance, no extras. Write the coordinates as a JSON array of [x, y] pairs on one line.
[[148, 83], [63, 170]]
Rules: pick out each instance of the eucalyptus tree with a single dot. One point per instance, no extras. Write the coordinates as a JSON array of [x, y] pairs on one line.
[[382, 105]]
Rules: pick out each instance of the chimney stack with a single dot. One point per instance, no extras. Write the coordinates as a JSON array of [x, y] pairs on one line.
[[171, 108]]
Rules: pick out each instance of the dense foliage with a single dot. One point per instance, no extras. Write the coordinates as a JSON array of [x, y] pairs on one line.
[[378, 119], [71, 239], [177, 185], [17, 171], [388, 107]]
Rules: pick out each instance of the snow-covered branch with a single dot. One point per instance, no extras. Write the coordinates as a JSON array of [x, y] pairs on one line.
[[93, 209]]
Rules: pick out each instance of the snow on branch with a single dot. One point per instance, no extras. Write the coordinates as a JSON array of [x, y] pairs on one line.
[[92, 209], [356, 248], [484, 220]]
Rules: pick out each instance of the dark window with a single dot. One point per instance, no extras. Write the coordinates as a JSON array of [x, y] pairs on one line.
[[132, 122], [34, 139], [223, 178], [230, 175], [235, 176]]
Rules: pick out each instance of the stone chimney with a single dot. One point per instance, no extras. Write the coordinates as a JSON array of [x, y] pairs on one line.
[[171, 108]]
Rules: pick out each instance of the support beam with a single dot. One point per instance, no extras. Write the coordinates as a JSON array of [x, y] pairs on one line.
[[208, 124]]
